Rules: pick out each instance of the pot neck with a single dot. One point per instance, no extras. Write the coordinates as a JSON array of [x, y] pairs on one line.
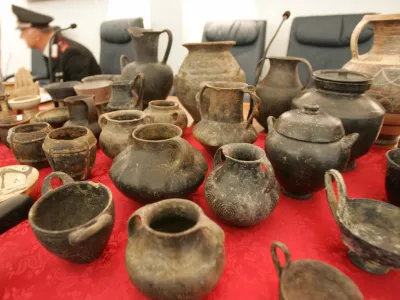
[[209, 47], [146, 47], [78, 110], [386, 37], [226, 105], [282, 72]]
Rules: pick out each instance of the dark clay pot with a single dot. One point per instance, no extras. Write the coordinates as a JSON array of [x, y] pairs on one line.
[[7, 122], [392, 182], [158, 165], [74, 221], [72, 150], [82, 111], [239, 190], [187, 251], [163, 111], [26, 143], [302, 145], [61, 90], [124, 96], [340, 93], [158, 75], [56, 117]]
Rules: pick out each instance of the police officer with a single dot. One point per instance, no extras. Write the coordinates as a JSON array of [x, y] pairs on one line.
[[69, 59]]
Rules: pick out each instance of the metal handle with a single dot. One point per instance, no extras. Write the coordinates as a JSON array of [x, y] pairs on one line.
[[200, 103], [83, 234], [65, 179], [355, 35], [168, 50], [310, 70], [255, 104], [141, 89], [335, 205], [123, 61], [288, 259]]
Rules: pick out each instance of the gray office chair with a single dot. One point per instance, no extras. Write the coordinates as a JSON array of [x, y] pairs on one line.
[[116, 41], [250, 41], [325, 41]]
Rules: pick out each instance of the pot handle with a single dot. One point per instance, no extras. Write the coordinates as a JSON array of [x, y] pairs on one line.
[[141, 88], [123, 61], [168, 50], [265, 161], [92, 111], [64, 177], [310, 70], [10, 134], [219, 158], [288, 259], [355, 35], [336, 206], [135, 223], [185, 156], [271, 121], [102, 120], [254, 106], [82, 234], [203, 107], [207, 226]]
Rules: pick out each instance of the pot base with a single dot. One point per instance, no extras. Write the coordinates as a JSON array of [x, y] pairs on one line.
[[369, 266], [350, 166], [297, 196]]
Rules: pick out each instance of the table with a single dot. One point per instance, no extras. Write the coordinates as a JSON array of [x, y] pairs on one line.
[[28, 271]]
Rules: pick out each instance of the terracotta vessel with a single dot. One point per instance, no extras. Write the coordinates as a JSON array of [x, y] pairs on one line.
[[302, 145], [28, 104], [72, 150], [187, 251], [369, 228], [164, 111], [279, 86], [208, 61], [102, 77], [341, 94], [4, 107], [239, 190], [61, 90], [392, 181], [158, 165], [382, 62], [56, 117], [101, 90], [74, 221], [309, 279], [8, 121], [26, 143], [124, 96], [82, 112], [117, 128], [221, 108], [9, 87], [158, 75]]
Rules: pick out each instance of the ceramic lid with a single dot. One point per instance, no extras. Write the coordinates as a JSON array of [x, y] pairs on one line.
[[342, 80], [310, 124]]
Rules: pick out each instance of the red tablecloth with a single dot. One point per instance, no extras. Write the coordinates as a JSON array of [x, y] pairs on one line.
[[28, 271]]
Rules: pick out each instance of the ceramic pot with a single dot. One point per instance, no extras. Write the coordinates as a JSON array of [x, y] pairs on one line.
[[26, 143], [8, 121], [124, 96], [158, 165], [28, 104], [101, 90], [164, 229], [392, 181], [61, 90], [279, 86], [102, 77], [82, 112], [238, 189], [4, 107], [302, 145], [75, 220], [158, 75], [56, 117], [72, 150], [222, 114], [382, 63], [308, 279], [163, 111], [208, 61], [369, 228], [117, 128], [341, 94]]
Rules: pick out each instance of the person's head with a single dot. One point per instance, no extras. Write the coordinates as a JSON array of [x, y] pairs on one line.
[[36, 37]]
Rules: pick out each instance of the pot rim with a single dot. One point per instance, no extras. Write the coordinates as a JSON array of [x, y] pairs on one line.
[[236, 85], [92, 85], [45, 125], [131, 112], [390, 159], [60, 188], [244, 145], [154, 104], [221, 43], [72, 99], [66, 128], [24, 99], [139, 128]]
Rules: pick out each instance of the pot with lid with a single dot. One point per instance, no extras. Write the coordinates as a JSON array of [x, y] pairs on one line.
[[302, 145], [341, 93]]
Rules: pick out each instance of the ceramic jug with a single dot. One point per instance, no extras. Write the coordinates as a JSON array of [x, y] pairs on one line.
[[279, 86], [159, 164], [221, 107], [124, 96], [82, 111], [158, 75], [239, 190]]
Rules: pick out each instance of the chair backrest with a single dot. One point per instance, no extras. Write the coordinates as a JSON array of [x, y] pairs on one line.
[[325, 41], [249, 36], [116, 41]]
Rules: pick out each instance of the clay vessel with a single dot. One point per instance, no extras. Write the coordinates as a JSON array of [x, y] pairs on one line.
[[28, 104], [341, 94], [102, 77], [392, 181], [82, 112], [61, 90], [73, 221], [369, 228], [158, 75], [124, 96], [26, 143], [72, 150], [101, 90], [279, 86], [56, 117], [187, 251], [8, 121], [239, 190], [117, 128], [221, 108], [383, 64], [302, 145], [164, 111], [158, 165], [208, 61], [309, 279]]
